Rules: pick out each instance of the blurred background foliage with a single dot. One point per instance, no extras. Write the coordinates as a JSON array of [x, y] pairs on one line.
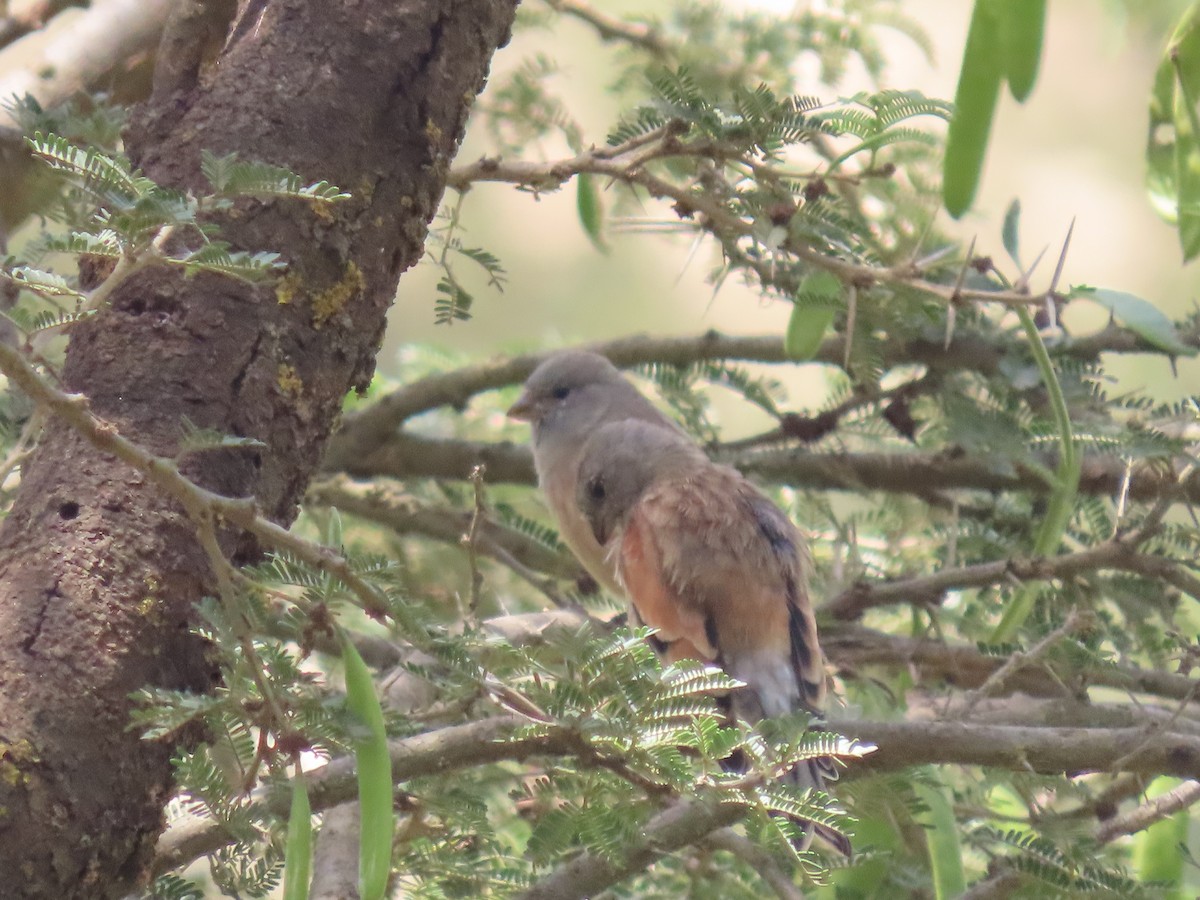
[[1075, 149]]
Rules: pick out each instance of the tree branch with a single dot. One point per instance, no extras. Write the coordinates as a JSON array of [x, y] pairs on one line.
[[201, 504], [76, 50], [679, 826], [1113, 555], [386, 503], [719, 219], [779, 880], [335, 855], [366, 430], [434, 753], [1022, 747], [1162, 807], [961, 665], [611, 28], [23, 16], [405, 455], [1045, 749]]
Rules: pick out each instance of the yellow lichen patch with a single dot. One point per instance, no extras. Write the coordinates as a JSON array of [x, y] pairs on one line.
[[289, 286], [330, 302], [433, 131], [148, 605], [13, 758], [288, 381]]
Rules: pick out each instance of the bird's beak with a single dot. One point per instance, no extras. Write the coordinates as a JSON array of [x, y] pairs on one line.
[[523, 409]]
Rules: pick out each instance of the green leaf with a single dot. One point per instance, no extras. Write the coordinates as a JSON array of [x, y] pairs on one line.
[[818, 298], [297, 867], [1173, 137], [1140, 316], [1187, 174], [109, 178], [1023, 24], [228, 176], [104, 243], [47, 284], [1010, 233], [1161, 183], [1065, 484], [453, 303], [974, 106], [591, 210], [374, 768], [941, 837], [216, 256]]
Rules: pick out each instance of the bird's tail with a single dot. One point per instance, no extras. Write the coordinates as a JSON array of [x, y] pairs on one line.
[[816, 773]]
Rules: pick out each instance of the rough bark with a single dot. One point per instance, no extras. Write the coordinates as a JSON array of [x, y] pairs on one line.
[[98, 574]]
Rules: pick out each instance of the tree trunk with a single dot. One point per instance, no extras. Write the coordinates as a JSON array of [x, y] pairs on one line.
[[99, 574]]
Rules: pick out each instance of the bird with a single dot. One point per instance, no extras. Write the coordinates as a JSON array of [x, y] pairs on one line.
[[717, 568], [565, 399]]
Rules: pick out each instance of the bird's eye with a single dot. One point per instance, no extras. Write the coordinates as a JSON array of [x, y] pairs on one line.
[[596, 489], [560, 392]]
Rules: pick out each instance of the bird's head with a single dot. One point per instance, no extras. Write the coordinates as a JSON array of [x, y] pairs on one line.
[[621, 462], [568, 386]]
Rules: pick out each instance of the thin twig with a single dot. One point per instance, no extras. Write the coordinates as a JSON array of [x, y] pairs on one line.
[[198, 502], [929, 589], [610, 28], [20, 450], [1161, 807], [1154, 729], [717, 218], [997, 681], [470, 540]]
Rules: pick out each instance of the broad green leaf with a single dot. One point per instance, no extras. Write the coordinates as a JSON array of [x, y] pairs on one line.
[[974, 107], [1161, 183], [374, 768], [1156, 851], [1064, 484], [591, 210], [1006, 803], [941, 838], [1023, 24], [1173, 138], [806, 330], [1187, 174], [1010, 233], [1140, 316], [812, 314], [297, 861]]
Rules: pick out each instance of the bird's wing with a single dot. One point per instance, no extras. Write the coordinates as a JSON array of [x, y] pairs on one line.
[[709, 560], [720, 571], [682, 627]]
